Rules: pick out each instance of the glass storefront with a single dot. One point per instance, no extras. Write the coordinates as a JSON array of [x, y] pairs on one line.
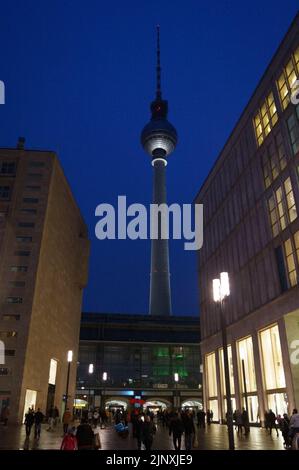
[[247, 377], [213, 406], [211, 384], [253, 408], [273, 371]]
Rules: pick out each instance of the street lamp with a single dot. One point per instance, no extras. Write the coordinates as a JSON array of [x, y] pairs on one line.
[[221, 290], [104, 377], [69, 360], [90, 371], [176, 380]]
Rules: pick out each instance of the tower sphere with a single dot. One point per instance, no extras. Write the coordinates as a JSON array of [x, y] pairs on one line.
[[159, 137]]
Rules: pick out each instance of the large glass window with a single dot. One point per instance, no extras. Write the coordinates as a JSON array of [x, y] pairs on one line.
[[246, 364], [291, 205], [273, 160], [282, 207], [265, 119], [211, 377], [272, 358], [287, 79], [293, 128]]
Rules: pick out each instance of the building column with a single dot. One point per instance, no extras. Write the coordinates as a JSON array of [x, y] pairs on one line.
[[221, 412]]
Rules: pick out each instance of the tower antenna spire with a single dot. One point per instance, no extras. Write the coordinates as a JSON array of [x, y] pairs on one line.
[[158, 68]]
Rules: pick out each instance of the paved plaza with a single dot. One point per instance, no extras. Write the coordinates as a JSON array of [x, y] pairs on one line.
[[213, 437]]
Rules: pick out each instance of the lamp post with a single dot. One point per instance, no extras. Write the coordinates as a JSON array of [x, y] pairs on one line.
[[69, 360], [104, 377], [220, 292], [176, 380], [90, 371]]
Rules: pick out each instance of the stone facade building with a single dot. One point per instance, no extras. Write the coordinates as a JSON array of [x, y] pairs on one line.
[[44, 251], [251, 230]]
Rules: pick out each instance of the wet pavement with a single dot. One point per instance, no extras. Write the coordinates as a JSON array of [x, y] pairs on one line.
[[213, 437]]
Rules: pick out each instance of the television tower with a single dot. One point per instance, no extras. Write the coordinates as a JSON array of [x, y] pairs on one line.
[[159, 139]]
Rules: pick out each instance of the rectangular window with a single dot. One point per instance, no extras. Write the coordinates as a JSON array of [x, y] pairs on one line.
[[273, 216], [4, 371], [290, 262], [14, 300], [293, 128], [10, 352], [24, 239], [17, 283], [296, 243], [273, 160], [272, 358], [290, 199], [22, 253], [19, 269], [246, 364], [36, 164], [29, 211], [30, 200], [281, 268], [8, 168], [231, 370], [11, 316], [280, 208], [26, 224], [287, 79], [211, 376], [32, 187], [8, 334], [36, 176], [265, 119], [5, 192]]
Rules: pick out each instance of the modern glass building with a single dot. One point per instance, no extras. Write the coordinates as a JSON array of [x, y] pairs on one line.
[[251, 231], [139, 355]]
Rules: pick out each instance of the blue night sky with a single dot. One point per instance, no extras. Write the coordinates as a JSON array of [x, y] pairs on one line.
[[79, 79]]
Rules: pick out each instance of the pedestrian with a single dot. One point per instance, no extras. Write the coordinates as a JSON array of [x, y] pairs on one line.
[[96, 417], [56, 415], [245, 421], [29, 420], [239, 421], [5, 415], [85, 436], [148, 431], [51, 419], [38, 419], [209, 417], [66, 420], [69, 441], [294, 424], [97, 437], [284, 426], [138, 430], [176, 428], [272, 422], [189, 429]]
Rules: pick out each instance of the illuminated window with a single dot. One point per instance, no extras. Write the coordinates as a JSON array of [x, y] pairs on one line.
[[265, 119], [52, 372], [290, 199], [293, 127], [290, 262], [273, 160], [231, 371], [246, 364], [272, 358], [282, 207], [8, 334], [211, 377], [287, 79], [296, 243]]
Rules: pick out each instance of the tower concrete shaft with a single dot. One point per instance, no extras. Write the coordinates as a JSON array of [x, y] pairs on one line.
[[160, 297]]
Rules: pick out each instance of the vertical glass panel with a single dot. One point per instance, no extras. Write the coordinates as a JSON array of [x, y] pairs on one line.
[[272, 358], [245, 355], [211, 377], [231, 370]]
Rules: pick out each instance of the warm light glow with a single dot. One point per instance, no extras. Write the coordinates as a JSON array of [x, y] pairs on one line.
[[176, 377], [69, 356], [224, 285], [105, 376], [216, 290], [90, 368]]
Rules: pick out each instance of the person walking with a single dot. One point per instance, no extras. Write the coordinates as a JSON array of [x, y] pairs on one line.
[[284, 426], [51, 419], [209, 417], [85, 436], [245, 421], [189, 429], [38, 419], [56, 415], [239, 421], [148, 431], [69, 441], [272, 422], [66, 420], [138, 430], [294, 423], [176, 428], [29, 420]]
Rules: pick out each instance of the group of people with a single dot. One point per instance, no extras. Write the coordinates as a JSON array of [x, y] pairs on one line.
[[35, 418], [289, 426], [241, 420]]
